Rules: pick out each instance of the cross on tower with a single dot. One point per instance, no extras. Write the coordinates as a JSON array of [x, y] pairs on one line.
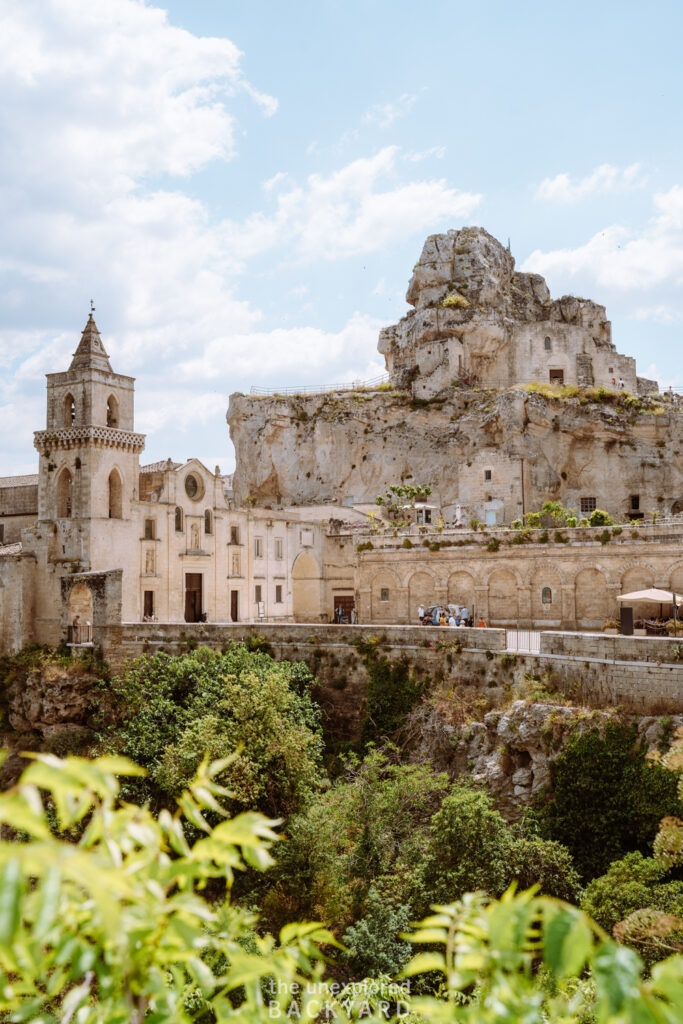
[[92, 306]]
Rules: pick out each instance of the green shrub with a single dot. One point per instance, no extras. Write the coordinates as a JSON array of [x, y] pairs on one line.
[[599, 517], [607, 798], [493, 544], [373, 943], [407, 543]]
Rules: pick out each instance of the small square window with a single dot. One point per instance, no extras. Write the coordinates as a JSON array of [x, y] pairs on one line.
[[635, 503], [257, 593], [258, 547], [588, 505], [278, 593], [149, 529], [384, 594], [487, 474]]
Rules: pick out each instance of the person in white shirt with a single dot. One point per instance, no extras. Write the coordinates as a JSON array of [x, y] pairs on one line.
[[420, 613], [451, 621]]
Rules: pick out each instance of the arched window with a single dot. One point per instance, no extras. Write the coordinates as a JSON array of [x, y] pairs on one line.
[[115, 496], [112, 412], [179, 520], [69, 412], [207, 521], [546, 596], [64, 495], [547, 344]]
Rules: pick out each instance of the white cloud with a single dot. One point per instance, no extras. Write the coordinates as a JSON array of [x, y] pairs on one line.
[[352, 212], [604, 180], [273, 182], [382, 115], [438, 152], [319, 356], [621, 259]]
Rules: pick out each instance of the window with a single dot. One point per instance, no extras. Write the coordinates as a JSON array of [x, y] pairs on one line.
[[2, 533], [115, 496], [234, 534], [112, 412], [547, 595], [384, 594], [64, 495], [557, 376], [546, 344], [69, 413], [588, 505], [208, 527], [278, 548], [635, 503], [179, 520], [257, 593], [148, 605], [194, 487], [149, 529], [258, 547], [278, 593], [487, 474]]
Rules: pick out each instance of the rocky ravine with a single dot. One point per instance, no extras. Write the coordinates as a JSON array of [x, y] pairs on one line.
[[512, 751]]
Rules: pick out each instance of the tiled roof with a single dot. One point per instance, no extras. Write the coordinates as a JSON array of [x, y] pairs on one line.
[[29, 480], [160, 467]]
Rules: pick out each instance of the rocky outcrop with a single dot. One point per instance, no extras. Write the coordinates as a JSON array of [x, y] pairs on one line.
[[325, 448], [511, 751], [478, 330], [50, 700]]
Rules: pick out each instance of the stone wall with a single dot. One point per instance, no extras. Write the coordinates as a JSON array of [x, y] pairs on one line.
[[17, 581], [483, 664]]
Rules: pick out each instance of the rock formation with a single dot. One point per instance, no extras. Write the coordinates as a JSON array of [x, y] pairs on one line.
[[458, 415]]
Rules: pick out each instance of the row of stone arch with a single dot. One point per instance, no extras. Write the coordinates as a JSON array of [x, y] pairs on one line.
[[70, 413], [65, 493], [594, 591]]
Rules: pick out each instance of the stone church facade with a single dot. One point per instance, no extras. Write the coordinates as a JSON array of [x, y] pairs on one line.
[[165, 538]]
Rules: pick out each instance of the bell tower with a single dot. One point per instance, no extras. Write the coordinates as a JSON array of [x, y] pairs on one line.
[[88, 471]]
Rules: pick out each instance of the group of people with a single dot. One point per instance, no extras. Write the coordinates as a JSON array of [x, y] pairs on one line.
[[453, 617]]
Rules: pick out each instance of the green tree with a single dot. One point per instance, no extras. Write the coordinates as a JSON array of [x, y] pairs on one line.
[[114, 928], [636, 883], [607, 798], [169, 711], [373, 943]]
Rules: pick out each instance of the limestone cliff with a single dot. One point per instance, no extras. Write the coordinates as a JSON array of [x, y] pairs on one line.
[[468, 445], [459, 413]]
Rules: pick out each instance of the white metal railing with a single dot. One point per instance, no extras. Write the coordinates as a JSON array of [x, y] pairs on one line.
[[319, 389], [523, 641]]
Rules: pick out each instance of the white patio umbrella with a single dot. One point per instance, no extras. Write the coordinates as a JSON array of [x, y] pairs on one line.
[[653, 596]]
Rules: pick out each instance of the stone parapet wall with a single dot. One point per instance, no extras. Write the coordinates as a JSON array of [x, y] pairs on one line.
[[587, 669], [658, 649]]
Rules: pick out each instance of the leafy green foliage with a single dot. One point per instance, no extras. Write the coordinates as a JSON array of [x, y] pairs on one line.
[[169, 711], [393, 689], [599, 517], [607, 798], [114, 927], [632, 884], [373, 943]]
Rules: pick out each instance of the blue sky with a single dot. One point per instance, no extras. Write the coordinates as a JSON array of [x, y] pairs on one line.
[[243, 188]]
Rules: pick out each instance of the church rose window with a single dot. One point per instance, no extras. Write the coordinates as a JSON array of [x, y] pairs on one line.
[[191, 486]]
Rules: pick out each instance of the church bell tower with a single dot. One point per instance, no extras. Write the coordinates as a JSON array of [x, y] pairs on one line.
[[88, 472]]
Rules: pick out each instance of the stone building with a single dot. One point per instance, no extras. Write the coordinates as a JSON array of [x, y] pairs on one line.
[[478, 319], [162, 541]]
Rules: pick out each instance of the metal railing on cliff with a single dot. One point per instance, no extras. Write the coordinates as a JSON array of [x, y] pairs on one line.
[[319, 389]]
